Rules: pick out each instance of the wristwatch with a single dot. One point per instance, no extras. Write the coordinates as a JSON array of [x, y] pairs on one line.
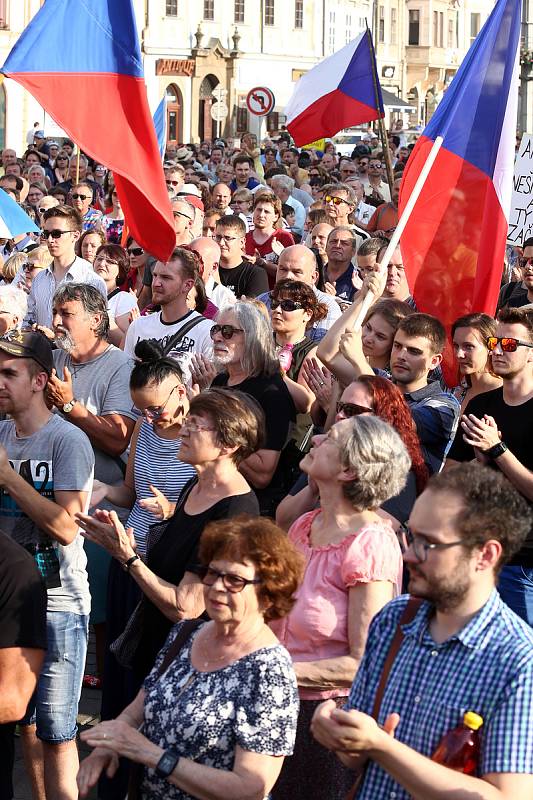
[[496, 450], [167, 764], [67, 408]]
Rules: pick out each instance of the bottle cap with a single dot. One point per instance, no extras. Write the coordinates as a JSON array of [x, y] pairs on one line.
[[472, 720]]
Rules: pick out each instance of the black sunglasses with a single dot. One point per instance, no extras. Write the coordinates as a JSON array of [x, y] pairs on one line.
[[80, 196], [286, 305], [55, 234], [352, 409], [135, 251], [227, 331]]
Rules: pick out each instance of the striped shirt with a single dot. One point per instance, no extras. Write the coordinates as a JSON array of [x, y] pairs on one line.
[[486, 667], [156, 463], [44, 286]]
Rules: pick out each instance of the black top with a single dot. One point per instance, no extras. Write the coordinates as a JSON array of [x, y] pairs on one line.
[[174, 554], [246, 279], [513, 295], [22, 598], [516, 426]]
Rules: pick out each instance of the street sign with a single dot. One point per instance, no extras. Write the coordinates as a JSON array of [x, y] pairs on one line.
[[260, 101], [219, 111], [219, 93]]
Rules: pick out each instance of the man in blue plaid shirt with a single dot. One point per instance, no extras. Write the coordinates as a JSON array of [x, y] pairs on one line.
[[465, 650]]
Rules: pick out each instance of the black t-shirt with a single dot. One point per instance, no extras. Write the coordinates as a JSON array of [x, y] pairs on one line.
[[274, 398], [513, 295], [516, 426], [174, 554], [246, 279], [22, 598]]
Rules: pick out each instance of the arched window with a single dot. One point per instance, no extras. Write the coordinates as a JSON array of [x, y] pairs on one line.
[[174, 117], [206, 124]]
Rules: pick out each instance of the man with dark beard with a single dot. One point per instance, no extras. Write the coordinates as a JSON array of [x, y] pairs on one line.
[[463, 650]]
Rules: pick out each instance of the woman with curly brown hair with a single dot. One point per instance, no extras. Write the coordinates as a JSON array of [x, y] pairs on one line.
[[217, 719]]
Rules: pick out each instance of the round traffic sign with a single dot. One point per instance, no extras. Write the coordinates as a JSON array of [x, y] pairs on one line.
[[219, 111], [260, 101]]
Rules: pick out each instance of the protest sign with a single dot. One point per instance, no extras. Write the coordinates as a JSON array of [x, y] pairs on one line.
[[521, 216]]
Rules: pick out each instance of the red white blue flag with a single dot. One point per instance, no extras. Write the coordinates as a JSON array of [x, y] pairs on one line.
[[81, 61], [454, 242], [341, 91]]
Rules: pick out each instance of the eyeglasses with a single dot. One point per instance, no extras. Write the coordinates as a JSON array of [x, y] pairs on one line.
[[227, 331], [135, 251], [525, 262], [508, 343], [29, 267], [336, 200], [107, 260], [352, 409], [421, 546], [232, 583], [286, 305], [156, 412], [172, 183], [181, 214], [61, 158], [55, 234], [190, 425], [221, 237], [81, 196]]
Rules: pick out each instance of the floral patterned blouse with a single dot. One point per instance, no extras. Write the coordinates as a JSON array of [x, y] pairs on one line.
[[252, 703]]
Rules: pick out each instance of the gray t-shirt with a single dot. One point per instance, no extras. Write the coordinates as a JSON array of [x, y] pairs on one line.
[[58, 457], [102, 386]]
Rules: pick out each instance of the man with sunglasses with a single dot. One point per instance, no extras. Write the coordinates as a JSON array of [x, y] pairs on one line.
[[62, 226], [81, 197], [463, 649], [520, 293], [375, 186], [339, 203], [175, 178], [497, 429]]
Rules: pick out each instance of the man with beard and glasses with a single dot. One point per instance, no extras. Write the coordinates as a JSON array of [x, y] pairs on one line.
[[89, 386], [46, 476], [463, 650], [497, 429]]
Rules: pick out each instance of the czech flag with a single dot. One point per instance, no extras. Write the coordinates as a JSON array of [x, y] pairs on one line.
[[341, 91], [160, 125], [454, 241], [81, 61]]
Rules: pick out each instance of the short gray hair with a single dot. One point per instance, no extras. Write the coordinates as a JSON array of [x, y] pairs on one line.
[[378, 456], [15, 301], [91, 299], [284, 181], [259, 354], [338, 187]]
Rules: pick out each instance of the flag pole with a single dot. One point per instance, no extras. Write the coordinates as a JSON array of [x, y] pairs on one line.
[[381, 122], [78, 165], [402, 222]]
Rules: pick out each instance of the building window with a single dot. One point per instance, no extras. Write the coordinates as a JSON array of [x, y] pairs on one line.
[[209, 9], [450, 33], [242, 118], [348, 28], [441, 29], [3, 15], [381, 31], [393, 25], [171, 8], [475, 24], [414, 26], [331, 31], [269, 12], [238, 13], [298, 13]]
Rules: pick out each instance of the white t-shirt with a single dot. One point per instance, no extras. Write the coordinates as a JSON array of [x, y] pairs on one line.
[[198, 340], [120, 303], [220, 295]]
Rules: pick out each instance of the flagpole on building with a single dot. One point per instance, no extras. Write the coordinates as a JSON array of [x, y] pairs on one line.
[[402, 222], [381, 121]]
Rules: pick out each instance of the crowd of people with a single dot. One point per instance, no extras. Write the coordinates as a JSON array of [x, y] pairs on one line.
[[302, 554]]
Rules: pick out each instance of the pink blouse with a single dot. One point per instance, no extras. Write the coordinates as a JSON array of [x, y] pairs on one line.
[[317, 626]]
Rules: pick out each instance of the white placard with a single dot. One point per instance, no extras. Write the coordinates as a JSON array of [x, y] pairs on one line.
[[521, 216]]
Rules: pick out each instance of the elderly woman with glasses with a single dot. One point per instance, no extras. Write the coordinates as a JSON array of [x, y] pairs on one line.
[[243, 349], [353, 568], [217, 714]]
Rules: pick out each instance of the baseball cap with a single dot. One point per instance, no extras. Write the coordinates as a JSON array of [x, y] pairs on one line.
[[192, 194], [29, 344], [38, 135]]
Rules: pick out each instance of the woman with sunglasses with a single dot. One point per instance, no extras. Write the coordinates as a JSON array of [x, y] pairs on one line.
[[243, 349], [60, 171], [217, 714], [353, 568], [113, 221], [469, 336], [221, 430], [138, 263]]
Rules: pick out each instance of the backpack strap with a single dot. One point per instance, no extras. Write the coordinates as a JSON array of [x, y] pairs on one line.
[[183, 331], [184, 632]]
